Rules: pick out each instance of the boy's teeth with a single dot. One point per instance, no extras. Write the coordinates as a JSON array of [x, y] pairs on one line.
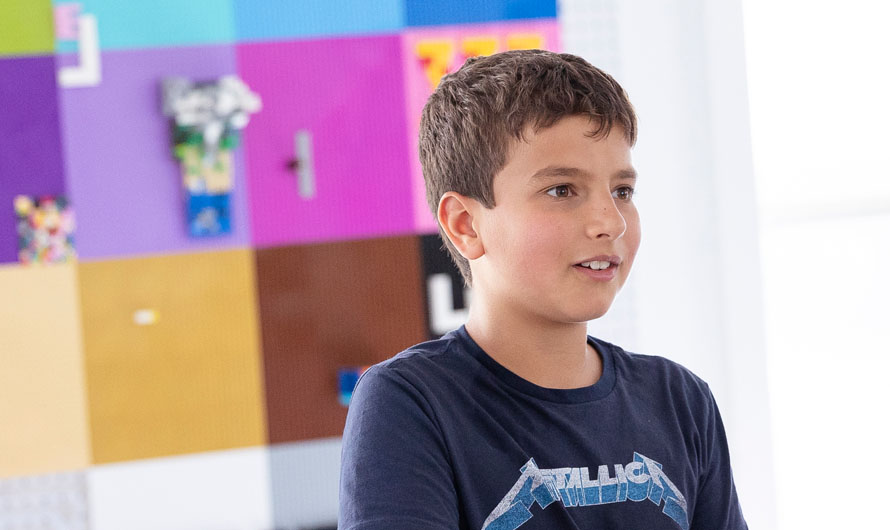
[[596, 265]]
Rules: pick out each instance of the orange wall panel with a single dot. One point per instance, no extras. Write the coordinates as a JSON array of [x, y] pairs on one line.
[[172, 353], [43, 420]]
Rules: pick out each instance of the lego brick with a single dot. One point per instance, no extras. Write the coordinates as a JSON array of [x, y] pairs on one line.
[[124, 181], [43, 407], [31, 148], [345, 97], [171, 348], [258, 20], [330, 305]]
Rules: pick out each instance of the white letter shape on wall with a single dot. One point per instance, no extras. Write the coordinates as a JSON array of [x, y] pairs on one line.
[[443, 316], [89, 71]]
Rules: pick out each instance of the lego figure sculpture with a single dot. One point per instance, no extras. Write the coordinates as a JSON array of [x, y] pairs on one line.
[[207, 118]]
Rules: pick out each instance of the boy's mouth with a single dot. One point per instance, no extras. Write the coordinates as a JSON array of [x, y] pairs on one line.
[[599, 263], [600, 268], [595, 265]]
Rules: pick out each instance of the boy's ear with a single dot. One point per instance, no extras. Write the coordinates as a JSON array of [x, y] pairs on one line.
[[456, 218]]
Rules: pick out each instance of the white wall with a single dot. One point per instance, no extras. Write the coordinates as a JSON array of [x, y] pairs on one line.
[[819, 87], [695, 294]]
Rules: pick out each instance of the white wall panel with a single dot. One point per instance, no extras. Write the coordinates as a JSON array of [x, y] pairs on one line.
[[305, 483], [223, 490]]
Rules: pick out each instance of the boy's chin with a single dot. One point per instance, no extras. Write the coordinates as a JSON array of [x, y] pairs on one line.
[[597, 308], [589, 314], [595, 315]]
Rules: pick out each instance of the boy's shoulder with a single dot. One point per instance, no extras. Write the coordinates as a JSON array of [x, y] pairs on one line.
[[441, 353], [648, 367]]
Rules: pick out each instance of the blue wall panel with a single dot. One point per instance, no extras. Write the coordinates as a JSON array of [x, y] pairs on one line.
[[283, 19], [437, 12], [156, 23]]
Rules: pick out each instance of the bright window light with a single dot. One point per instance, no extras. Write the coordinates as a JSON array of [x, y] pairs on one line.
[[820, 107]]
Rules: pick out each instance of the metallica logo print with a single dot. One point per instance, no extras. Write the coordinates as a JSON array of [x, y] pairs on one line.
[[641, 479]]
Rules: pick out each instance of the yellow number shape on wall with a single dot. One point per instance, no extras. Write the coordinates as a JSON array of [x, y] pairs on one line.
[[435, 56], [474, 46], [525, 41]]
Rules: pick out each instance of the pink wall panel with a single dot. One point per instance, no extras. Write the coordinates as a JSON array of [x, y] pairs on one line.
[[428, 50], [348, 95]]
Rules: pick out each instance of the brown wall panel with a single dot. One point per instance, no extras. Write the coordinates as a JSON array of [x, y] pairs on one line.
[[327, 306]]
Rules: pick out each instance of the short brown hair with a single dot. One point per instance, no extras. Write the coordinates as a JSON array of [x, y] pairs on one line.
[[469, 122]]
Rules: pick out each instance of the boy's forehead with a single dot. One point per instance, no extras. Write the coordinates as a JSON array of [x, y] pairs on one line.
[[576, 127], [592, 123]]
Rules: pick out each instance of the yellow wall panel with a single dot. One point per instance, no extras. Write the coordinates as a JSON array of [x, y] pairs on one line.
[[172, 354], [43, 421]]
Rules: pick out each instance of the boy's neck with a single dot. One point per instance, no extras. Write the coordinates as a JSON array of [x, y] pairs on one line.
[[551, 355]]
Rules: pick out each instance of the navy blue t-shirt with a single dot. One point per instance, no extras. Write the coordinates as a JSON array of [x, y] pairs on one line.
[[443, 437]]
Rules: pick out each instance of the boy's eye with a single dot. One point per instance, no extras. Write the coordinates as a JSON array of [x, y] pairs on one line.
[[561, 191], [624, 193]]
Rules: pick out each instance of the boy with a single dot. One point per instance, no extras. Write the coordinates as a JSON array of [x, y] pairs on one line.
[[518, 418]]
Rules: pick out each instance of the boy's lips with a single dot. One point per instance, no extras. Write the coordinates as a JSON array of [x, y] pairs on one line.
[[614, 260]]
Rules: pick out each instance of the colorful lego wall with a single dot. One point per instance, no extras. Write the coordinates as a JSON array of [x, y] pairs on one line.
[[183, 282]]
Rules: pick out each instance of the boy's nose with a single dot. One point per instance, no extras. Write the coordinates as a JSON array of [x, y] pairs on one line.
[[605, 220]]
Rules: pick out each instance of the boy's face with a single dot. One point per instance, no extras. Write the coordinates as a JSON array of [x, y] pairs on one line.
[[563, 199]]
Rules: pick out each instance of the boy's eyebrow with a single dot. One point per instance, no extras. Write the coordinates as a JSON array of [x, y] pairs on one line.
[[551, 172]]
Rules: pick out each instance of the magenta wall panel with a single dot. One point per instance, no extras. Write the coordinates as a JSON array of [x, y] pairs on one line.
[[430, 52], [30, 144], [347, 95], [125, 184]]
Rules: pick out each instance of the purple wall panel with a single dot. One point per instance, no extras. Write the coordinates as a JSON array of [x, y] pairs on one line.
[[30, 144], [348, 94], [125, 183]]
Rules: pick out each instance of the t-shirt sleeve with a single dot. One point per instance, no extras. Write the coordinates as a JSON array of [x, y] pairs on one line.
[[395, 473], [717, 505]]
